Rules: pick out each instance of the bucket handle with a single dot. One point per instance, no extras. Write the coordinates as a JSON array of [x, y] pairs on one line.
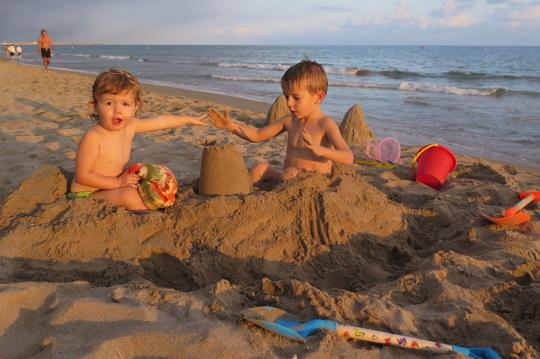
[[419, 153]]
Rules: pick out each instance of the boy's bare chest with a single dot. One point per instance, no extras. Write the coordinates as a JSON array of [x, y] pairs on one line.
[[115, 152], [296, 134]]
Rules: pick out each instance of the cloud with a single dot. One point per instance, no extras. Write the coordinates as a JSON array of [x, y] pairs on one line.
[[450, 14], [527, 16]]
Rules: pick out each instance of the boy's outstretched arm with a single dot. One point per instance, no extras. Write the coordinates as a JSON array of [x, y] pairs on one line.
[[84, 165], [165, 122], [341, 153], [247, 133]]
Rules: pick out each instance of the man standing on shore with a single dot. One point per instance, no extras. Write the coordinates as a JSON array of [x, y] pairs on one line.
[[45, 48]]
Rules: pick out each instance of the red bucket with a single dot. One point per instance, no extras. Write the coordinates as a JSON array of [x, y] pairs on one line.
[[433, 165]]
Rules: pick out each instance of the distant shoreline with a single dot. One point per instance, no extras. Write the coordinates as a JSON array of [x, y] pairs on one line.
[[227, 100]]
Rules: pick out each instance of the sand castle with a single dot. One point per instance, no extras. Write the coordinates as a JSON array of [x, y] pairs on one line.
[[354, 128], [277, 110], [223, 172]]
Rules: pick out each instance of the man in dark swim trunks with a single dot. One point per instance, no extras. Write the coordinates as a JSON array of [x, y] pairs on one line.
[[45, 48]]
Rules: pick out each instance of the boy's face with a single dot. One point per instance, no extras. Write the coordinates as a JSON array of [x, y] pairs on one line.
[[115, 111], [303, 103]]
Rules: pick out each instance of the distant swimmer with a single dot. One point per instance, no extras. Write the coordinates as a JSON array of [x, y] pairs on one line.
[[45, 48], [11, 50]]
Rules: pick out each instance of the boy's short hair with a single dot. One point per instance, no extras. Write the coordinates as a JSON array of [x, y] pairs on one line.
[[306, 74], [114, 82]]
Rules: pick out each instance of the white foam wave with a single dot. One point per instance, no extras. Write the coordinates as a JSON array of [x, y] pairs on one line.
[[244, 78], [366, 85], [422, 87], [272, 67], [353, 71], [81, 55], [111, 57]]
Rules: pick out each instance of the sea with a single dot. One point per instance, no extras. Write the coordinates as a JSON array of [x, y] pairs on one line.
[[476, 100]]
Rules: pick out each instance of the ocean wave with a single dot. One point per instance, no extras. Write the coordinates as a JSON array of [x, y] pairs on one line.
[[453, 90], [244, 78], [366, 85], [81, 55], [353, 71], [471, 75], [403, 86], [112, 57], [399, 74], [271, 67]]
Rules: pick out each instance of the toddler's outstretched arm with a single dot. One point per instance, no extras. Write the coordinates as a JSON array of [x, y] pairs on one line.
[[166, 121], [247, 133]]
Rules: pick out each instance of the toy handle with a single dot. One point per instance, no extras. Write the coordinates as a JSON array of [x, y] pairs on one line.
[[519, 206], [395, 340]]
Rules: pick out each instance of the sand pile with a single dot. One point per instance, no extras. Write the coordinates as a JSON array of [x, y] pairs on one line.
[[223, 172], [373, 249], [277, 110], [354, 128], [365, 246]]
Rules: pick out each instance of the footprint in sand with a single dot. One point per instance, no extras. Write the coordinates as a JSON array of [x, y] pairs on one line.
[[70, 155], [69, 132], [53, 146], [30, 138]]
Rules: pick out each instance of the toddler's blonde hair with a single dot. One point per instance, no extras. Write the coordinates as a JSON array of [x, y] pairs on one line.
[[305, 74], [115, 81]]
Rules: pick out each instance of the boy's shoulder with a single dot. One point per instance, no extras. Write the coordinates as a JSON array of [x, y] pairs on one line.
[[327, 120]]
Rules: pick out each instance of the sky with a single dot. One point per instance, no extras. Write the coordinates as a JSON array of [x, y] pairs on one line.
[[275, 22]]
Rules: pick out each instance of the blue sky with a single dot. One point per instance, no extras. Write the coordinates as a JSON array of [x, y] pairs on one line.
[[281, 22]]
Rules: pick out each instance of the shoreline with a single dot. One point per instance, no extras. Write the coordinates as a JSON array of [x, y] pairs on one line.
[[251, 105], [163, 89]]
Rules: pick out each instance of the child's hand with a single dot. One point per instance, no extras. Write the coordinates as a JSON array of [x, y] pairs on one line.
[[219, 120], [128, 179], [198, 121], [309, 143]]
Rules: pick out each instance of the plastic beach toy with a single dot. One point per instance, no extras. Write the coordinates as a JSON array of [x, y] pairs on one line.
[[433, 165], [513, 215], [289, 326], [385, 150]]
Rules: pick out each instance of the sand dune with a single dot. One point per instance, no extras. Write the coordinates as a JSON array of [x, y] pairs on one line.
[[363, 246]]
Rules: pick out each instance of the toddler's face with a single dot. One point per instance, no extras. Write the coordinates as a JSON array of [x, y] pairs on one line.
[[115, 111], [302, 103]]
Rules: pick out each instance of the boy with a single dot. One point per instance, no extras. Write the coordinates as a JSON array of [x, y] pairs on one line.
[[314, 140], [105, 149]]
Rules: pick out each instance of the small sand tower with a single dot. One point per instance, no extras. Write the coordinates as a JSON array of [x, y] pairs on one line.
[[223, 172], [354, 128], [277, 110]]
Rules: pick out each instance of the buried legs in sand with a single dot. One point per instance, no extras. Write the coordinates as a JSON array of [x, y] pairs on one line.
[[263, 172], [128, 197]]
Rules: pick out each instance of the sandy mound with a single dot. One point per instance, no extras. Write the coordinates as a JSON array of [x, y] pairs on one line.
[[363, 246], [277, 110], [223, 172], [354, 128]]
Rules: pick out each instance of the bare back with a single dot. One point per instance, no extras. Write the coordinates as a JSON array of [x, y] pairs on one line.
[[108, 153], [297, 155]]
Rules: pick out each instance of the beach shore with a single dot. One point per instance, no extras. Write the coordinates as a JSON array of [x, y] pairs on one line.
[[364, 246]]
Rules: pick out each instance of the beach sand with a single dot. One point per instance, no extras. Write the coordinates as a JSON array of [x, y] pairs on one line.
[[364, 246]]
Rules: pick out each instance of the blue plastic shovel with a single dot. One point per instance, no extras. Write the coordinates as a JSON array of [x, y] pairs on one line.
[[282, 323]]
